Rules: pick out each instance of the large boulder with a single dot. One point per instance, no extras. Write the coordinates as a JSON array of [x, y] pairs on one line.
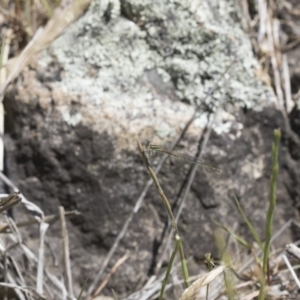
[[132, 70]]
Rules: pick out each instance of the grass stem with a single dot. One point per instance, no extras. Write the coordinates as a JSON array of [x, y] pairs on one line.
[[272, 205], [170, 264], [169, 211]]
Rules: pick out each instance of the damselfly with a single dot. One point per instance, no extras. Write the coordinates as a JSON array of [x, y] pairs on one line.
[[156, 148]]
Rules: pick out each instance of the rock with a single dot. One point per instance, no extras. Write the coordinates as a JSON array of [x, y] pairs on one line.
[[136, 70]]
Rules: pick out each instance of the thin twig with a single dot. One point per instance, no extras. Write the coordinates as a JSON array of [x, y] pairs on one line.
[[287, 84], [291, 270], [5, 273], [113, 270], [47, 219], [40, 270], [3, 74]]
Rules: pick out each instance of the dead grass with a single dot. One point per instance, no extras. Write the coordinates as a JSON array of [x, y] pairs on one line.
[[264, 27], [18, 280]]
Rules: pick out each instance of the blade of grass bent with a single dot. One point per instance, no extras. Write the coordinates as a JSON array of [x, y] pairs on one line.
[[222, 245], [169, 210], [210, 265], [82, 288], [114, 294], [239, 239], [250, 226]]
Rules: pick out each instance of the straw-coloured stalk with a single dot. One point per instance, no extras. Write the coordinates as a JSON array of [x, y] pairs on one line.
[[15, 279], [3, 74], [169, 210], [113, 270], [226, 260], [47, 8], [293, 250], [40, 271], [67, 263], [210, 265], [191, 292], [292, 271], [272, 205], [9, 201]]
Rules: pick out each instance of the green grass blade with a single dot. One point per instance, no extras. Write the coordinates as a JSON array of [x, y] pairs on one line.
[[250, 226], [239, 239], [82, 289], [169, 211], [170, 264], [272, 205], [183, 265], [229, 284], [226, 259], [210, 265], [47, 8], [114, 294], [28, 17]]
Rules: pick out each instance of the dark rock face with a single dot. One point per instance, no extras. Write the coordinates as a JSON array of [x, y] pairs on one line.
[[83, 172]]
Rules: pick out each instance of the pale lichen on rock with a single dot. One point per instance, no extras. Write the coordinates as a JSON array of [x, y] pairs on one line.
[[106, 56]]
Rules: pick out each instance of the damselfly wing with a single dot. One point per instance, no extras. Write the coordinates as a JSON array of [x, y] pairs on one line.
[[151, 148]]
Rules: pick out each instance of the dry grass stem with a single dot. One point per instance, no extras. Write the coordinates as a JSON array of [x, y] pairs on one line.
[[43, 38], [40, 270], [291, 270], [9, 202], [287, 84], [47, 219], [4, 57], [113, 270], [67, 263], [293, 250], [191, 292]]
